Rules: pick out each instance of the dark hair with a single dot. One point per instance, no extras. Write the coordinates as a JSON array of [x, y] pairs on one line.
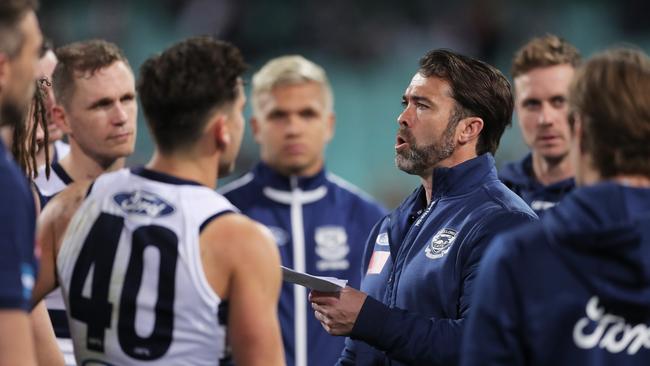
[[610, 93], [11, 13], [479, 90], [179, 88], [85, 57], [24, 147], [549, 50]]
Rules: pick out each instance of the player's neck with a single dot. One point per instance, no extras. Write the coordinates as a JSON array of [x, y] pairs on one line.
[[549, 171], [79, 166], [201, 170]]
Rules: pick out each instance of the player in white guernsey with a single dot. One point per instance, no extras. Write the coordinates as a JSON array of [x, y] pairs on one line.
[[152, 256], [94, 91]]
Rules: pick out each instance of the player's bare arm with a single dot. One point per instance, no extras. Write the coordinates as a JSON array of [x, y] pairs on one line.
[[50, 230], [242, 264]]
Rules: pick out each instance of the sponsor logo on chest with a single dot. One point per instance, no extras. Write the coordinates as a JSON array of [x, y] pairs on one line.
[[440, 243], [332, 248]]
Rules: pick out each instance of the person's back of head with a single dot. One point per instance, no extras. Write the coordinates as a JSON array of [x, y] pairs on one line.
[[478, 88], [610, 100], [182, 87], [11, 13], [15, 36], [82, 59]]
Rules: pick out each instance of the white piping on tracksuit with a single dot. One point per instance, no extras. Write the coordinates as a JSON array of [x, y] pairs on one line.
[[296, 199]]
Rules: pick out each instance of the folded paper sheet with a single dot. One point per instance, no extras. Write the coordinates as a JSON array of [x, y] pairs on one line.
[[324, 284]]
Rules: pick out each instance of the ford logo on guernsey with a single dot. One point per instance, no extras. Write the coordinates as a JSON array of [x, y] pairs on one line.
[[143, 203]]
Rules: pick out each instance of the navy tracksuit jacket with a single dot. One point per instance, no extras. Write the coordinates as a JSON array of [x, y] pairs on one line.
[[572, 289], [420, 266], [320, 224], [519, 177]]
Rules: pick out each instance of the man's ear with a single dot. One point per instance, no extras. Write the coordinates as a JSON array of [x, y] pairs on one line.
[[255, 128], [60, 119], [469, 129], [578, 133], [220, 130], [4, 71], [331, 126]]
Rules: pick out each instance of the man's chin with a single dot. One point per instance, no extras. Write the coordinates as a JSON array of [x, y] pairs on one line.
[[554, 155], [12, 115]]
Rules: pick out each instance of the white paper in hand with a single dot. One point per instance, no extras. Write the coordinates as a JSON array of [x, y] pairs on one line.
[[324, 284]]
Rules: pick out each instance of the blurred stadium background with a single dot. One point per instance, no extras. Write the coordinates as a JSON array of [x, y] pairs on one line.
[[369, 48]]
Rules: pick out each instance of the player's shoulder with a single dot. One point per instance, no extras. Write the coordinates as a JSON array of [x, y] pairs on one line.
[[66, 202], [235, 227], [353, 193], [238, 185], [515, 246]]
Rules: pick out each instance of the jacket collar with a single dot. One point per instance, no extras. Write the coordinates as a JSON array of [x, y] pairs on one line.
[[271, 178], [521, 175], [464, 177]]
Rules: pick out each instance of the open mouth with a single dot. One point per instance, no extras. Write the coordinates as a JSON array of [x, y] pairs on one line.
[[400, 142]]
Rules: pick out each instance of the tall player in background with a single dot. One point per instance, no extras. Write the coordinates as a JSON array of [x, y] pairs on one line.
[[94, 89], [320, 222], [20, 42], [159, 242], [542, 70]]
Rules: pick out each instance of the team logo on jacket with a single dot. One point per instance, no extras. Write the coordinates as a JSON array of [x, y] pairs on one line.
[[143, 203], [440, 244], [382, 239], [332, 248]]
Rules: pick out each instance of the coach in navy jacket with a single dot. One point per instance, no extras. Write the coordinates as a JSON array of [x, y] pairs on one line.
[[574, 289], [421, 259], [320, 222]]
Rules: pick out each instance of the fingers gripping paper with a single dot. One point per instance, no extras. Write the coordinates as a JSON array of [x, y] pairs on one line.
[[324, 284]]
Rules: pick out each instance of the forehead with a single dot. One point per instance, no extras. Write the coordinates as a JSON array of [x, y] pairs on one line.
[[30, 28], [293, 95], [544, 80], [431, 87], [111, 81]]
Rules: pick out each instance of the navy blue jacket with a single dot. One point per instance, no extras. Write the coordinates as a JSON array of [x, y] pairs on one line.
[[572, 289], [420, 265], [17, 225], [519, 177], [320, 224]]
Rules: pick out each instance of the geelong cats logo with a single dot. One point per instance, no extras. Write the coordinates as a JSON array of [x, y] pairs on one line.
[[440, 244], [332, 248]]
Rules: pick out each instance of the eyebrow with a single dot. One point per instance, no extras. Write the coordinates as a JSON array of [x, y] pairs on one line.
[[418, 98], [101, 101]]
